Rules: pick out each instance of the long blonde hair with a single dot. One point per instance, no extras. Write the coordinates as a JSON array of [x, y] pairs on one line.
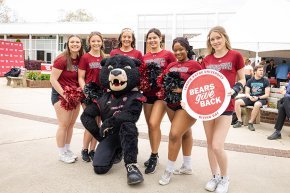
[[221, 30]]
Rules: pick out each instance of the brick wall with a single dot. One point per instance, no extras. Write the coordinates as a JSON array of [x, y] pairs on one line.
[[269, 117]]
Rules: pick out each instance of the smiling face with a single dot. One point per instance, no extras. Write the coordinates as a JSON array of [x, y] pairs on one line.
[[74, 45], [180, 52], [96, 43], [217, 41], [154, 40], [127, 39]]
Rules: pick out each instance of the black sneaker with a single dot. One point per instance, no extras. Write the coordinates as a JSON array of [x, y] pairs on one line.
[[151, 168], [92, 154], [147, 162], [85, 155], [238, 124], [134, 176], [275, 135], [251, 127]]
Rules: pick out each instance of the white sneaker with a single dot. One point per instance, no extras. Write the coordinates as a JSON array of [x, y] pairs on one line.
[[223, 186], [213, 183], [182, 170], [165, 178], [66, 158], [71, 154]]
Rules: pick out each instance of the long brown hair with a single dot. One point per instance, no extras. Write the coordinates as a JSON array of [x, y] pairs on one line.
[[67, 53], [96, 33], [221, 30]]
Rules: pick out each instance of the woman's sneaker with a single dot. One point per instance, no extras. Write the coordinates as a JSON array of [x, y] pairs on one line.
[[223, 186], [92, 154], [213, 183], [182, 170], [85, 155], [151, 167], [165, 178], [71, 154], [64, 157]]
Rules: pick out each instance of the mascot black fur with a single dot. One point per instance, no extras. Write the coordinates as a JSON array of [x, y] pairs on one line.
[[119, 109]]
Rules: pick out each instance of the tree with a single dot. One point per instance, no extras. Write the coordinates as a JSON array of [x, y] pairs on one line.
[[79, 15], [6, 14]]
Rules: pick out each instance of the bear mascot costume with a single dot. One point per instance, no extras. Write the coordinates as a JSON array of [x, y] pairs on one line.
[[119, 108]]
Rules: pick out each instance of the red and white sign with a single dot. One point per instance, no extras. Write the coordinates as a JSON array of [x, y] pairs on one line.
[[46, 68], [205, 94], [11, 55]]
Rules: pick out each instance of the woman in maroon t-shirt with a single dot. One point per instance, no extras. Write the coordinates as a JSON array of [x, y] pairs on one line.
[[127, 44], [180, 132], [88, 71], [154, 108], [231, 64], [64, 73]]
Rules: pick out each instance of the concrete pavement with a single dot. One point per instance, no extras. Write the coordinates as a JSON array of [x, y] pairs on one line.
[[30, 159]]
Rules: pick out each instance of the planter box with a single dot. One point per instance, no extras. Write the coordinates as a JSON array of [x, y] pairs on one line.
[[38, 83]]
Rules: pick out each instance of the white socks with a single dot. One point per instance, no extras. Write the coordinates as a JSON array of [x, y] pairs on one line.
[[187, 162], [61, 150], [170, 166]]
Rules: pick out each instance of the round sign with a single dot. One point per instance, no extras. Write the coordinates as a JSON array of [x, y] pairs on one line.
[[205, 94]]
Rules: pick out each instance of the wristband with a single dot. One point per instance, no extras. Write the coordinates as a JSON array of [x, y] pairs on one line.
[[237, 88]]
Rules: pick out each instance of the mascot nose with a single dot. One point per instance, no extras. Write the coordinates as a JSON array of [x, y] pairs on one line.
[[116, 72]]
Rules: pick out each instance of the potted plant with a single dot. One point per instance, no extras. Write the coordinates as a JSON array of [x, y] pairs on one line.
[[38, 80]]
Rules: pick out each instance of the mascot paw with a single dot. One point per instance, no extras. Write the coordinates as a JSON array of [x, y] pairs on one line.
[[105, 131]]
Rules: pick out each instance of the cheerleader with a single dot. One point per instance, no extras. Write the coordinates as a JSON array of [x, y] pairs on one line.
[[88, 74], [180, 134], [64, 73], [156, 60]]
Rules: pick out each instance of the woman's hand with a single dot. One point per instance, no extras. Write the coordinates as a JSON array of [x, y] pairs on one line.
[[177, 90]]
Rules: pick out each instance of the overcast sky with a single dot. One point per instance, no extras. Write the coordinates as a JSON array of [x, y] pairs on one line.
[[116, 10]]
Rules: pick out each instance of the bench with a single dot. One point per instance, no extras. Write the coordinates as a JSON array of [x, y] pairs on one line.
[[271, 107], [19, 81]]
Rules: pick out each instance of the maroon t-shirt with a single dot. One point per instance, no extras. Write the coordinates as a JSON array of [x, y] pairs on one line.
[[132, 54], [228, 65], [67, 78], [163, 58], [186, 69], [92, 66]]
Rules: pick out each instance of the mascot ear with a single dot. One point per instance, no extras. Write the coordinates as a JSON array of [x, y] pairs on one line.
[[137, 62], [103, 61]]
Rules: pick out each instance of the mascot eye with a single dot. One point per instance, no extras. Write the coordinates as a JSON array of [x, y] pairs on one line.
[[110, 67], [127, 67]]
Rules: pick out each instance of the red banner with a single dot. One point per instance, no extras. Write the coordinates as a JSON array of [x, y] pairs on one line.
[[46, 68], [11, 55], [205, 94]]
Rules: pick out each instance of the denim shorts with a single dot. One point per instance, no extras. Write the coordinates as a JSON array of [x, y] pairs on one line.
[[54, 96]]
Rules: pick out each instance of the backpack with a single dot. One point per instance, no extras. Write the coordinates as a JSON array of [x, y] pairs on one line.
[[14, 72]]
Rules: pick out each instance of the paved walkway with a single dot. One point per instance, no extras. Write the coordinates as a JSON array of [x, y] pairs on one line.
[[29, 155]]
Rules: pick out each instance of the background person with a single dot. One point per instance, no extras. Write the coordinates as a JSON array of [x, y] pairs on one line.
[[231, 64], [257, 90], [64, 73], [283, 112]]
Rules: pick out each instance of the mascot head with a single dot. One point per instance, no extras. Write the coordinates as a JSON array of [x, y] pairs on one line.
[[120, 74]]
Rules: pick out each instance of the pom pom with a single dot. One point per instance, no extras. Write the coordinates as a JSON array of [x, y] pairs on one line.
[[149, 76], [171, 81], [73, 97], [93, 92]]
